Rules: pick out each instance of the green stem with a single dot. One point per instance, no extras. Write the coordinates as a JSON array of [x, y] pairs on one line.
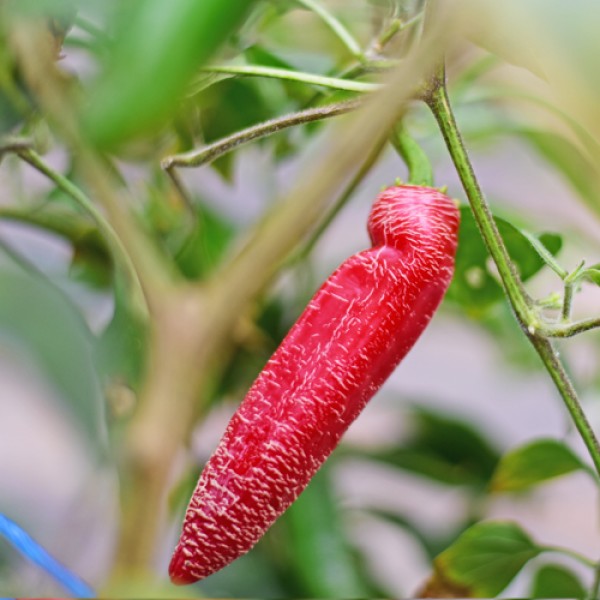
[[567, 301], [73, 228], [395, 27], [545, 255], [570, 329], [337, 27], [581, 558], [196, 158], [415, 158], [288, 74], [437, 99], [11, 144], [113, 241]]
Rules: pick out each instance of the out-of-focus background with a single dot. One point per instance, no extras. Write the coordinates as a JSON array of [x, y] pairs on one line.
[[416, 469]]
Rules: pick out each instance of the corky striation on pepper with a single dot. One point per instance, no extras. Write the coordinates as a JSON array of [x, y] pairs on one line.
[[356, 329]]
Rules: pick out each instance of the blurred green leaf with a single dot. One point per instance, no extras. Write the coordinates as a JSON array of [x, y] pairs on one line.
[[318, 551], [37, 318], [532, 464], [196, 236], [474, 287], [232, 105], [431, 543], [158, 47], [566, 159], [592, 274], [556, 581], [482, 561], [443, 448], [201, 250]]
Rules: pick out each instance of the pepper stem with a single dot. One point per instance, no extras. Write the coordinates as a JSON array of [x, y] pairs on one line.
[[436, 97]]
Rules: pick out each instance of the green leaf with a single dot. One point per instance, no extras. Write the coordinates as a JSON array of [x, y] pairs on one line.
[[555, 581], [533, 464], [205, 245], [566, 158], [482, 561], [592, 274], [432, 542], [37, 318], [444, 448], [158, 47], [474, 287]]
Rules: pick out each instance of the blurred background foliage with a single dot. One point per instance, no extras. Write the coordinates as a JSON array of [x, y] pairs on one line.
[[523, 73]]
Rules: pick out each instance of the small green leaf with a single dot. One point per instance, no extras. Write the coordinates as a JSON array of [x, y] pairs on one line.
[[483, 560], [592, 274], [474, 286], [532, 464], [555, 581]]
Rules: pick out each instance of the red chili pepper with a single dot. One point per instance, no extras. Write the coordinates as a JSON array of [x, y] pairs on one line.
[[356, 329]]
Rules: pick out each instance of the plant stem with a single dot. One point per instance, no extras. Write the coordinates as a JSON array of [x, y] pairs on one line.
[[120, 255], [437, 99], [14, 144], [288, 74], [584, 560], [567, 302], [337, 27], [196, 158], [55, 97], [545, 255], [570, 329], [416, 160]]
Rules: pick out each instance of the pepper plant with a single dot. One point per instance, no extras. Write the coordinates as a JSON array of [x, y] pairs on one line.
[[141, 117]]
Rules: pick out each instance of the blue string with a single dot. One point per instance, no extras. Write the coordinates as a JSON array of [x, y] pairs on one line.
[[23, 542]]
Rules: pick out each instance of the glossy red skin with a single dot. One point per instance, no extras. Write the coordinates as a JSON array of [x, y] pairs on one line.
[[356, 329]]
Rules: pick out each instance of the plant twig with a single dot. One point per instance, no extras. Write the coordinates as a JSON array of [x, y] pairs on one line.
[[570, 329], [290, 75], [14, 144], [55, 96], [210, 152], [415, 158], [436, 97], [580, 558], [545, 255], [120, 255]]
